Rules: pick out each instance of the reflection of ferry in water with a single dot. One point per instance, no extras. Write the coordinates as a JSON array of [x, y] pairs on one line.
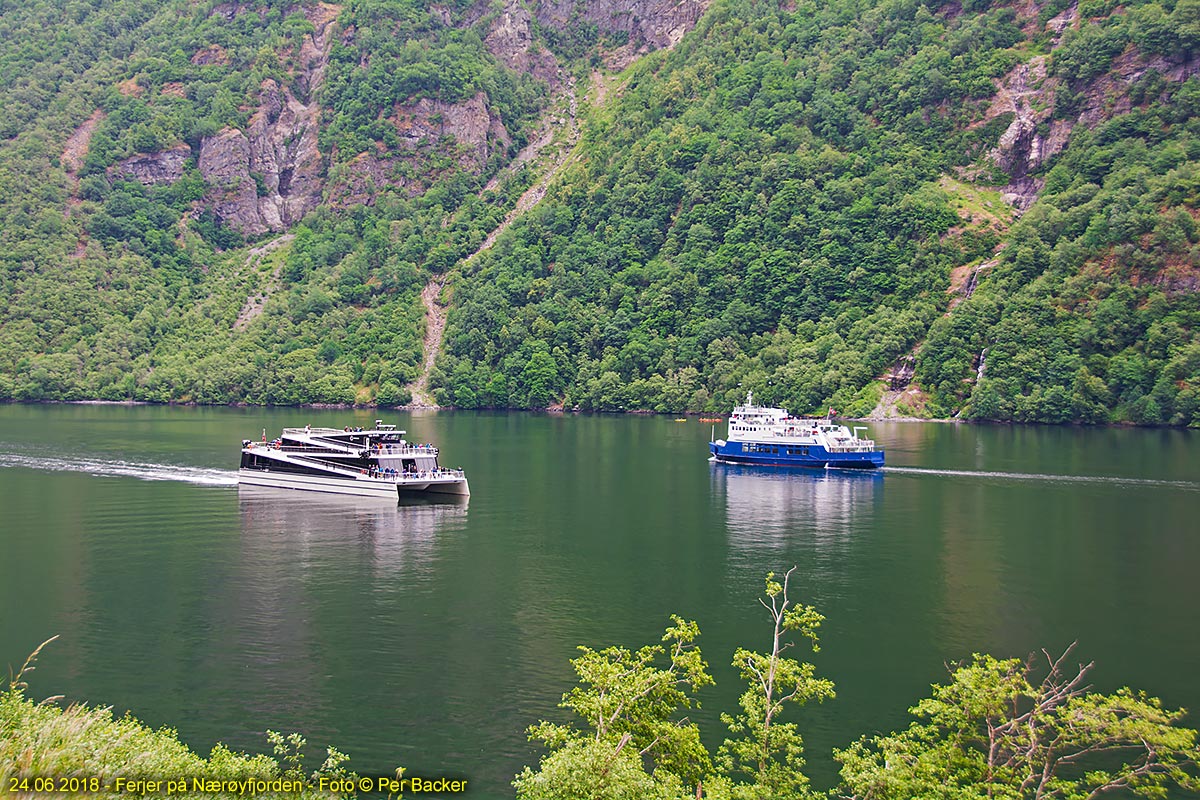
[[769, 508], [773, 437], [290, 531], [371, 463]]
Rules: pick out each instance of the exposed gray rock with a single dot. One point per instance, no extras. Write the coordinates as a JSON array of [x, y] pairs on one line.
[[359, 181], [225, 164], [470, 130], [653, 23], [269, 177], [165, 166], [510, 39], [1028, 94], [474, 126]]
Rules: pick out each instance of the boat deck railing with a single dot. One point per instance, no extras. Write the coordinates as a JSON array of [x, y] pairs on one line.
[[405, 450], [311, 431], [422, 476], [384, 450], [333, 444], [858, 446]]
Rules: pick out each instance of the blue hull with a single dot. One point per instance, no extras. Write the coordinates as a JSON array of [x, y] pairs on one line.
[[813, 456]]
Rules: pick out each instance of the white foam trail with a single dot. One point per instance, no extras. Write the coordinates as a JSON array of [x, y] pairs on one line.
[[123, 469], [1036, 476]]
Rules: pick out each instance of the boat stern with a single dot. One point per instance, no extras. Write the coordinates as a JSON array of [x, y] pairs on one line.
[[868, 460]]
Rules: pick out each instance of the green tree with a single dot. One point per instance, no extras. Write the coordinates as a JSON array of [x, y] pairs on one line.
[[769, 752], [632, 743], [996, 731]]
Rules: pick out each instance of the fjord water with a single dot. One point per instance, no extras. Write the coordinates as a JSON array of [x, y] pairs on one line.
[[432, 635]]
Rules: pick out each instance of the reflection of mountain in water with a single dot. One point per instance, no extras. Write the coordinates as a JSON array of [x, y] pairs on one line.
[[764, 506]]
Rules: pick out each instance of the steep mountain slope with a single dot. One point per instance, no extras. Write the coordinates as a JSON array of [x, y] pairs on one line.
[[148, 142], [1091, 312], [778, 203], [988, 211]]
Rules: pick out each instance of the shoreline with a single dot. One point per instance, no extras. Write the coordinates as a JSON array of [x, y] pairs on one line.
[[559, 410]]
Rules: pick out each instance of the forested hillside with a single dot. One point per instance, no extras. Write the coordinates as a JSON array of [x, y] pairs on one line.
[[977, 210]]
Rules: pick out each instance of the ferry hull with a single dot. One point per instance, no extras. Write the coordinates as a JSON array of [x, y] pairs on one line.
[[365, 487], [316, 483], [814, 457], [459, 488]]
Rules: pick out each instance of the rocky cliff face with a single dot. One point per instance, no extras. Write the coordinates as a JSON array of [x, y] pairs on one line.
[[270, 176], [476, 128], [1027, 92], [267, 177], [471, 131], [153, 168], [1031, 139], [510, 39], [651, 24]]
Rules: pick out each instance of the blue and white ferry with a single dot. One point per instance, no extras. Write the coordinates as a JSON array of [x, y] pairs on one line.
[[771, 437]]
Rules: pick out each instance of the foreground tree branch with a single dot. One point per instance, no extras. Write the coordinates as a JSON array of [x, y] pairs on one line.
[[765, 759], [995, 732]]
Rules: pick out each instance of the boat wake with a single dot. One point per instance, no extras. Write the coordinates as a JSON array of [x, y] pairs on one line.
[[112, 468], [1035, 476]]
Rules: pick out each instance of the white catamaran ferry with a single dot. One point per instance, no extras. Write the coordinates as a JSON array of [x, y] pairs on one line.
[[773, 437], [370, 463]]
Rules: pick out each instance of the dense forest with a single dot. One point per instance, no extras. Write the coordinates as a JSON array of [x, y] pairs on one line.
[[982, 210]]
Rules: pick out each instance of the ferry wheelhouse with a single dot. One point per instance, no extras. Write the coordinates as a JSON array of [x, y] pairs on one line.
[[378, 462], [773, 437]]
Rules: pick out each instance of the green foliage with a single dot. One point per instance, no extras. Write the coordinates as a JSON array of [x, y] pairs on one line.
[[768, 752], [115, 290], [1091, 314], [758, 208], [42, 740], [592, 768], [994, 732], [632, 743]]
